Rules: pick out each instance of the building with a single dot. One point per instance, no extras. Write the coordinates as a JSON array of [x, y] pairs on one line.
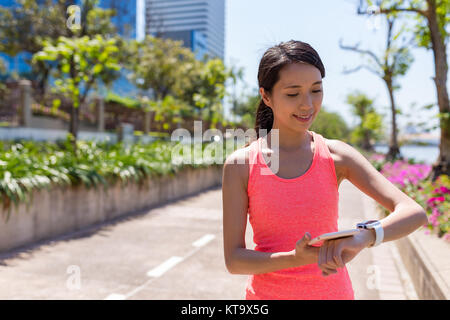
[[200, 24]]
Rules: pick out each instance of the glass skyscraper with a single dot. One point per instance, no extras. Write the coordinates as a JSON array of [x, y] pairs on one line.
[[199, 23]]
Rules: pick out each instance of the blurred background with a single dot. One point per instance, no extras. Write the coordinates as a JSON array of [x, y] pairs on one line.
[[93, 91]]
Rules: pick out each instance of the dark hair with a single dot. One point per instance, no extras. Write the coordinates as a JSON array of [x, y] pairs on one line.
[[273, 60]]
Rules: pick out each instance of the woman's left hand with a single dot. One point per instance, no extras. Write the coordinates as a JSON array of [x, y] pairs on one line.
[[336, 253]]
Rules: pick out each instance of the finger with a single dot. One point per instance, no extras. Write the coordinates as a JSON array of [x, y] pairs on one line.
[[337, 258], [322, 255], [328, 259], [323, 252], [330, 264], [327, 272], [319, 261]]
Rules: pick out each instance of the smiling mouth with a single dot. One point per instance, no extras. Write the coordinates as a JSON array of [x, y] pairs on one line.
[[304, 118]]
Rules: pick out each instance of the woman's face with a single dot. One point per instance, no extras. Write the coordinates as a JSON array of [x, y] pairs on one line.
[[298, 92]]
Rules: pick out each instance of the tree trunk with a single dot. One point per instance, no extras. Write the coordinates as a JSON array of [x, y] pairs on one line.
[[366, 145], [442, 164], [394, 151], [73, 128]]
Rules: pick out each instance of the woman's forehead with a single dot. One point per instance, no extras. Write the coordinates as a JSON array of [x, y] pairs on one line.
[[294, 71]]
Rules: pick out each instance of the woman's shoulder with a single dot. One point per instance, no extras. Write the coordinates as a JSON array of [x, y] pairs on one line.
[[237, 165], [339, 152]]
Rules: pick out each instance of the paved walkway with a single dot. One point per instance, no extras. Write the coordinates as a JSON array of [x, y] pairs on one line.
[[175, 251]]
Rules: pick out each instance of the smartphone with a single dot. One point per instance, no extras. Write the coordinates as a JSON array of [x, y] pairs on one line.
[[334, 235]]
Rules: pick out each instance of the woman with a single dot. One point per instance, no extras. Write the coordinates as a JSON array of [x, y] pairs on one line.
[[299, 201]]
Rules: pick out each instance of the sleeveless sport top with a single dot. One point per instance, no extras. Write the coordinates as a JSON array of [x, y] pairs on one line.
[[280, 212]]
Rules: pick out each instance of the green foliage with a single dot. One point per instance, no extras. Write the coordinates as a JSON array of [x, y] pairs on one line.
[[370, 124], [168, 109], [246, 107], [82, 63], [181, 85], [23, 27], [159, 64], [27, 165], [330, 125], [125, 101], [211, 90]]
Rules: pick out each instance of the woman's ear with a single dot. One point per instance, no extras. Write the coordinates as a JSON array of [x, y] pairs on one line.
[[265, 97]]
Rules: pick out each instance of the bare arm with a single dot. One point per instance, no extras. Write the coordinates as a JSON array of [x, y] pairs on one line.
[[239, 259], [406, 215]]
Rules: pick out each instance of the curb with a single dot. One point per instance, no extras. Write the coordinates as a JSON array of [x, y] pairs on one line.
[[427, 260]]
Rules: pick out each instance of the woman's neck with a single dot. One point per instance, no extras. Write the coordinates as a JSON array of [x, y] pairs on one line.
[[288, 141]]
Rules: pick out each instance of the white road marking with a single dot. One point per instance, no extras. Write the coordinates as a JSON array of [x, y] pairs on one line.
[[203, 240], [165, 266], [115, 296]]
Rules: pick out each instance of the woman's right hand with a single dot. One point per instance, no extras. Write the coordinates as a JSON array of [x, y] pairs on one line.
[[304, 253]]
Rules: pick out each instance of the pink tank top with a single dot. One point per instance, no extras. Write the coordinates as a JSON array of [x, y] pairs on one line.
[[280, 212]]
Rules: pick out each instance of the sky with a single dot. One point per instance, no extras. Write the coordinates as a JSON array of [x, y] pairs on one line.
[[252, 26]]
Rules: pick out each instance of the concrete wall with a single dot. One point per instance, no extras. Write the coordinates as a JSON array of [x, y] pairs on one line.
[[60, 210], [427, 260]]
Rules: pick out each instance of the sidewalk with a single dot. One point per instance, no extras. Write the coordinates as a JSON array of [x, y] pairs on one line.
[[376, 273], [174, 252]]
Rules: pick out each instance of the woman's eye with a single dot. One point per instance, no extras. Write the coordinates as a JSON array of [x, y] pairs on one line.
[[294, 95]]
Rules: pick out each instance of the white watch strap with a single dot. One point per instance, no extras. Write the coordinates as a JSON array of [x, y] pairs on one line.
[[379, 232]]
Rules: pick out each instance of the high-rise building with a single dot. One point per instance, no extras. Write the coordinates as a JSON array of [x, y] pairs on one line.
[[200, 24]]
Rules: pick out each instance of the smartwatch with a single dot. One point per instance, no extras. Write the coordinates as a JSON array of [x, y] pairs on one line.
[[376, 225]]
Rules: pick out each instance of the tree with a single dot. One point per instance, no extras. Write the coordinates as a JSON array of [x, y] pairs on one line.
[[81, 64], [211, 90], [370, 125], [166, 68], [156, 64], [395, 62], [330, 125], [246, 107], [25, 26], [432, 18], [237, 74], [2, 85]]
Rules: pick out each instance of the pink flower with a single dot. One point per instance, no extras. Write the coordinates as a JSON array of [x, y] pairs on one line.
[[444, 189], [432, 200]]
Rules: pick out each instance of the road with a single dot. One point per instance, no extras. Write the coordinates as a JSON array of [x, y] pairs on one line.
[[175, 251]]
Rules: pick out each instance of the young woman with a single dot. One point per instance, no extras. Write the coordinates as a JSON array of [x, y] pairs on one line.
[[300, 201]]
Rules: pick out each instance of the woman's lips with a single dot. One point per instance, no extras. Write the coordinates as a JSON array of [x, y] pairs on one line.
[[302, 120]]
